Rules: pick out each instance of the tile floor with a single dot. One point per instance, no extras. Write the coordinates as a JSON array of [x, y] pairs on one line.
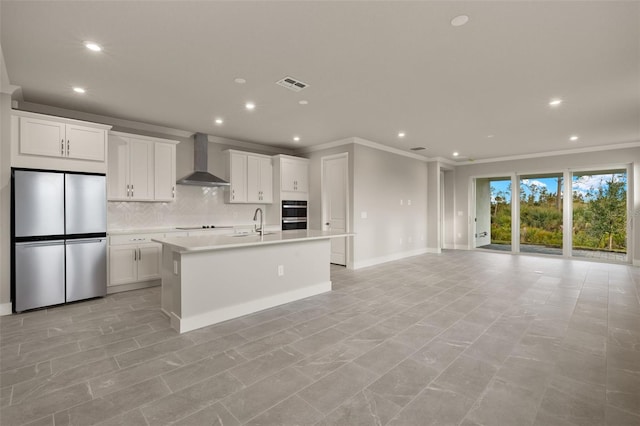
[[462, 338]]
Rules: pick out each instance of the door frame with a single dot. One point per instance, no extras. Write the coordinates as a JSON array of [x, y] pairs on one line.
[[347, 195]]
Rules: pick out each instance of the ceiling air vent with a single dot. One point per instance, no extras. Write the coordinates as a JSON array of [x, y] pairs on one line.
[[292, 84], [418, 148]]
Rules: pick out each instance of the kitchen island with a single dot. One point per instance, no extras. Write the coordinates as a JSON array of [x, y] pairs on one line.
[[210, 279]]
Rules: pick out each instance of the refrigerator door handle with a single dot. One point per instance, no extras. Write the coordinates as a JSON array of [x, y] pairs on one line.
[[87, 241], [41, 243], [139, 254]]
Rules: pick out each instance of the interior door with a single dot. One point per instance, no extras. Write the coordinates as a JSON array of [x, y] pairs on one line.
[[334, 204]]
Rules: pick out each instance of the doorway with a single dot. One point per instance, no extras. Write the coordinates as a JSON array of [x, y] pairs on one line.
[[335, 205], [493, 213]]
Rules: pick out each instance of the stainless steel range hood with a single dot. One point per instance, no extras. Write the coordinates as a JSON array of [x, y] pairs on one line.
[[201, 177]]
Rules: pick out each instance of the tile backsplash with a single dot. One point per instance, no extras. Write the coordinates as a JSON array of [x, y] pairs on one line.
[[194, 206]]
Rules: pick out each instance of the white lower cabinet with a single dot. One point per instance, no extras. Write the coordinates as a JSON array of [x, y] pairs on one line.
[[134, 259]]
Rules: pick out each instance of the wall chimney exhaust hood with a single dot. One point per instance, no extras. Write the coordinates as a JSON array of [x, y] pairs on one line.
[[201, 177]]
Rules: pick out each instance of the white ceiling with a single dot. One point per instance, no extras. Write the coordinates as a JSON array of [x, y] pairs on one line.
[[374, 69]]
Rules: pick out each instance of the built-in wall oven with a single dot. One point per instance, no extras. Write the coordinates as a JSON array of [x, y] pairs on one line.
[[294, 214]]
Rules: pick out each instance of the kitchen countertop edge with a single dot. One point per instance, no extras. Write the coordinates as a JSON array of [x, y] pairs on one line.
[[224, 242]]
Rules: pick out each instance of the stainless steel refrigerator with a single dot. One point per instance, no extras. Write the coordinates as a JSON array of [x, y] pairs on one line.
[[59, 245]]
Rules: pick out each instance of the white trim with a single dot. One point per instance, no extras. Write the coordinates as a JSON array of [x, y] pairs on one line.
[[554, 153], [5, 309], [363, 142], [144, 137], [268, 149], [322, 146], [111, 289], [391, 257], [183, 325], [448, 246], [445, 161]]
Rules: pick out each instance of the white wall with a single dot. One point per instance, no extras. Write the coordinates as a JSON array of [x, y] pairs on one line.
[[575, 162], [377, 181], [391, 230]]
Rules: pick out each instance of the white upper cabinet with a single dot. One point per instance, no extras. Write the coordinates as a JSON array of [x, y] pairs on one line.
[[41, 141], [259, 179], [237, 177], [251, 178], [294, 175], [141, 168], [165, 172]]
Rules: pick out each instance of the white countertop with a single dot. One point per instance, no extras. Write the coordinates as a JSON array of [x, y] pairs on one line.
[[185, 228], [222, 242]]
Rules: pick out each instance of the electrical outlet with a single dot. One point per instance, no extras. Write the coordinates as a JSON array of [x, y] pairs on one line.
[[363, 215], [401, 202], [408, 202], [280, 270], [175, 267]]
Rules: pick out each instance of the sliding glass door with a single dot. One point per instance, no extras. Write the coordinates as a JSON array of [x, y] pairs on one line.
[[541, 213], [595, 224], [600, 214]]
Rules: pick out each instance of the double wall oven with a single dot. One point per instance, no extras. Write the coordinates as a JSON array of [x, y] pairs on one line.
[[294, 214]]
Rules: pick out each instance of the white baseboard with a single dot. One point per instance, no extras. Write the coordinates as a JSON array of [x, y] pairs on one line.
[[5, 309], [388, 258], [133, 286], [636, 262], [449, 246], [432, 250], [183, 325], [461, 247]]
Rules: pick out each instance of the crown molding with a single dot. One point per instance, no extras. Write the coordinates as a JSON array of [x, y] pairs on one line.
[[625, 145], [363, 142]]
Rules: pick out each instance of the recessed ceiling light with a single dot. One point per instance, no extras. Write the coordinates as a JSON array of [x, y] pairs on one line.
[[303, 102], [240, 80], [250, 106], [94, 47], [296, 138], [573, 138], [555, 102], [219, 121], [455, 154], [459, 20], [79, 90], [401, 134]]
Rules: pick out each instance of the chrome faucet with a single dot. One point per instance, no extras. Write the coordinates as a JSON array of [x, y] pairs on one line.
[[255, 217]]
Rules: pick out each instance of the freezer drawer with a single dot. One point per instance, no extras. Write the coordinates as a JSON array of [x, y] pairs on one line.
[[86, 268], [39, 274], [39, 203]]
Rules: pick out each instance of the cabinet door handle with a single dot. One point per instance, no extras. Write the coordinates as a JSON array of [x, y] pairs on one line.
[[173, 192], [131, 190], [68, 148], [61, 146], [135, 255], [139, 254], [128, 190]]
